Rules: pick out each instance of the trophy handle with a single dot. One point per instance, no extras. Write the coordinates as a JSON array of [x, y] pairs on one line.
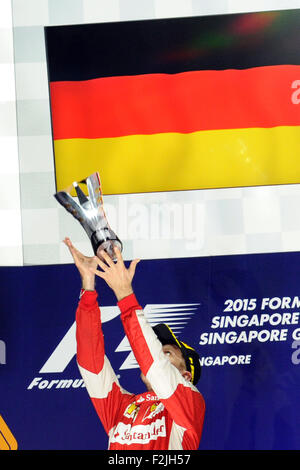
[[89, 211], [105, 239], [75, 209], [94, 189], [69, 204]]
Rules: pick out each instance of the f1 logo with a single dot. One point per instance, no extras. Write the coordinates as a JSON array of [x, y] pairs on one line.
[[7, 440]]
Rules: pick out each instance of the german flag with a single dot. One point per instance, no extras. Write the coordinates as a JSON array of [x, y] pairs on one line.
[[177, 104]]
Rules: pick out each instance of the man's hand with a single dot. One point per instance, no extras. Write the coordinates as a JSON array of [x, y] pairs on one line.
[[85, 265], [116, 275]]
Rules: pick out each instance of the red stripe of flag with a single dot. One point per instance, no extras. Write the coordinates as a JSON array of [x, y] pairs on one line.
[[184, 102]]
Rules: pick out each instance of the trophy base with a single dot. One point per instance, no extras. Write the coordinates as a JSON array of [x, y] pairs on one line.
[[108, 247], [105, 239]]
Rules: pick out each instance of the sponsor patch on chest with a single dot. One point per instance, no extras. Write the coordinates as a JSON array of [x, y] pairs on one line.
[[153, 410], [139, 434]]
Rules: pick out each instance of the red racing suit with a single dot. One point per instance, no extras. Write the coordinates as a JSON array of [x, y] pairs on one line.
[[171, 417]]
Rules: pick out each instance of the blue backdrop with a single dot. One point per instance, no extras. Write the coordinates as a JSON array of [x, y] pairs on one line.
[[249, 406]]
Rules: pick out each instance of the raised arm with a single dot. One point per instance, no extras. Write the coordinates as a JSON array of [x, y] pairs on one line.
[[100, 380], [180, 397]]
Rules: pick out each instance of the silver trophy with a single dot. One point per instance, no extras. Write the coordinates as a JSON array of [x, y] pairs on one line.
[[90, 213]]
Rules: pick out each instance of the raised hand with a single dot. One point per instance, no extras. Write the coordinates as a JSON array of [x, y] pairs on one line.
[[115, 274], [85, 265]]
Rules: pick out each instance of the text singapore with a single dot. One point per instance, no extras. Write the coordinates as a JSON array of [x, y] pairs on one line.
[[230, 337]]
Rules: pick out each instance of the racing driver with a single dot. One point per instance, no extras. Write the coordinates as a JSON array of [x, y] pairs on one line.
[[169, 414]]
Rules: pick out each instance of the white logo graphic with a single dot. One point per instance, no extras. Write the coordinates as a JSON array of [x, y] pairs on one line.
[[175, 315], [128, 434], [66, 349], [153, 410], [140, 400]]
